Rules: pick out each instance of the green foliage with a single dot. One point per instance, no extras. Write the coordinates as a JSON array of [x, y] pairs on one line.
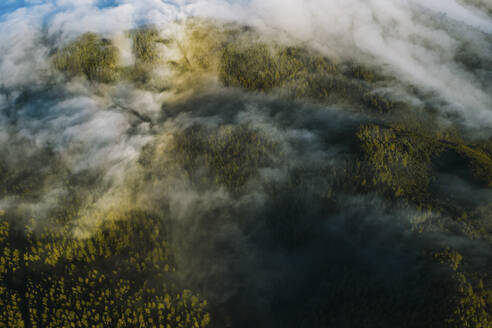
[[473, 305], [27, 181], [480, 162], [10, 310], [18, 180], [202, 45], [259, 67], [227, 156], [123, 274], [449, 257], [236, 56], [90, 55], [252, 68], [400, 162], [119, 277], [471, 302], [233, 155], [145, 41]]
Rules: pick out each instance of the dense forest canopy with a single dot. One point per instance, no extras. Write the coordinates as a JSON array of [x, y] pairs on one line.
[[239, 164]]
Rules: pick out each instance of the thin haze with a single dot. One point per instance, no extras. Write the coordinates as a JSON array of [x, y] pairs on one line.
[[416, 40]]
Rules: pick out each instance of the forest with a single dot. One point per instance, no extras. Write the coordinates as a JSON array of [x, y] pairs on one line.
[[222, 178]]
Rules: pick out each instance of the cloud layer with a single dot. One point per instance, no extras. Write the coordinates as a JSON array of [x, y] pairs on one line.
[[264, 192]]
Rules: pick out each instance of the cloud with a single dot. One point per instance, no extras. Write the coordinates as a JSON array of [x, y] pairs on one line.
[[428, 45], [454, 10], [118, 144], [411, 39]]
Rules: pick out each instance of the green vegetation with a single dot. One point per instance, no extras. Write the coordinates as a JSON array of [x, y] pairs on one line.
[[119, 277], [145, 43], [236, 56], [226, 156], [400, 162], [473, 305], [259, 67], [388, 156], [90, 55], [202, 45], [480, 161], [471, 302]]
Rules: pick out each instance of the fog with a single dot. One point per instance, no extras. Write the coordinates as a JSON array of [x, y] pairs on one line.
[[294, 229]]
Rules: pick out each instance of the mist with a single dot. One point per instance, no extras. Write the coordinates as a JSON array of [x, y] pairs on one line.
[[315, 163]]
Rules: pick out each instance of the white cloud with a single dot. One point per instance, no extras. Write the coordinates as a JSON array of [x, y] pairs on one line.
[[410, 38]]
